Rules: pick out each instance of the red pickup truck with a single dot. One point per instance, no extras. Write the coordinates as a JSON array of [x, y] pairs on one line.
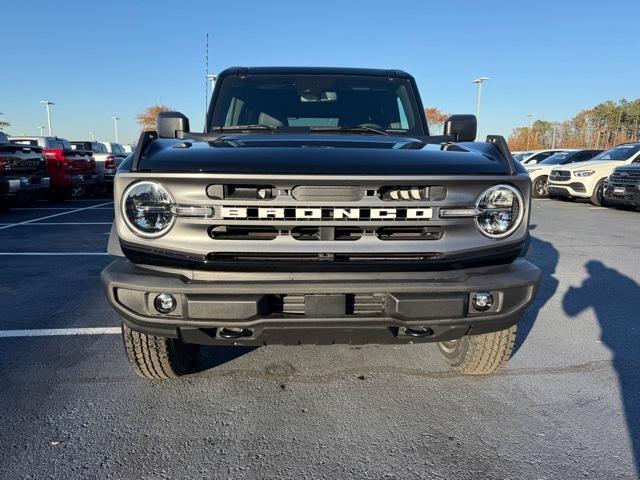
[[72, 172]]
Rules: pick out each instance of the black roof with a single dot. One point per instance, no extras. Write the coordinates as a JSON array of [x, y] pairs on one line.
[[376, 72]]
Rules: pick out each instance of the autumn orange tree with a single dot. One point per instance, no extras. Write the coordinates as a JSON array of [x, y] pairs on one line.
[[147, 118], [435, 118]]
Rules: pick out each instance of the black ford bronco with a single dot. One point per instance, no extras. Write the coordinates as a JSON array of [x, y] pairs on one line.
[[316, 208]]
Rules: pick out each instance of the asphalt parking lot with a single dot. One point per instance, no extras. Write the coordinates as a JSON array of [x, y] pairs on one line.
[[567, 407]]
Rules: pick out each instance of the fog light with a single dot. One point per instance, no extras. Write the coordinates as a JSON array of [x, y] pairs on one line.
[[165, 303], [482, 301]]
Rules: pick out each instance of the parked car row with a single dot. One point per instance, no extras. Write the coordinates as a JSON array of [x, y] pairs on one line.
[[31, 166], [610, 177]]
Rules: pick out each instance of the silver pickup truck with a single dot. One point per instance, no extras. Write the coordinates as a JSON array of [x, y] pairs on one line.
[[105, 163]]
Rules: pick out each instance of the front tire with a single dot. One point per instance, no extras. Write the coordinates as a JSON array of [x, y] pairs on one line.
[[78, 191], [158, 357], [539, 188], [597, 198], [480, 354]]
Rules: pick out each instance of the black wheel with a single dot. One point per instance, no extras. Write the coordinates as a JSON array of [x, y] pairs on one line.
[[597, 198], [540, 187], [25, 198], [59, 194], [78, 191], [479, 354], [158, 357]]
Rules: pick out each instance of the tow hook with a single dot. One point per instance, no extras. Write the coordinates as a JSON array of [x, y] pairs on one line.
[[234, 333], [419, 332]]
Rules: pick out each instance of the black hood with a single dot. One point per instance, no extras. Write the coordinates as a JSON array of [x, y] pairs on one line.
[[339, 154]]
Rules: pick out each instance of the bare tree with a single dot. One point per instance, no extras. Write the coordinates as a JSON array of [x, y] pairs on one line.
[[4, 123]]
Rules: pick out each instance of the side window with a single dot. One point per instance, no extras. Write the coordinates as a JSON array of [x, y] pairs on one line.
[[541, 156], [581, 157]]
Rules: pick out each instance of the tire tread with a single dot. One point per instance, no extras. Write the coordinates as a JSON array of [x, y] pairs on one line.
[[155, 357], [486, 353]]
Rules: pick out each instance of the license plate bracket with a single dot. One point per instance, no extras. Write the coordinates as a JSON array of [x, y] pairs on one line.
[[329, 305]]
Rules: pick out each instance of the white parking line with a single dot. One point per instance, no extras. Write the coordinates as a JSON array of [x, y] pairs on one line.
[[27, 209], [49, 254], [55, 332], [75, 200], [55, 215], [56, 223]]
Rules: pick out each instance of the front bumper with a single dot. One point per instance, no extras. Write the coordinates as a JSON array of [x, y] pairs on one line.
[[13, 186], [569, 189], [321, 308], [623, 195]]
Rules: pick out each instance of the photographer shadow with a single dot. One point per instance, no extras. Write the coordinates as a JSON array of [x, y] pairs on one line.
[[614, 298]]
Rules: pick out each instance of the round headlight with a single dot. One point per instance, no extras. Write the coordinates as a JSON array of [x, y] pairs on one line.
[[499, 211], [146, 209]]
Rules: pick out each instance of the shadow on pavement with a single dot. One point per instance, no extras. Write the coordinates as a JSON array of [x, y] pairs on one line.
[[211, 357], [545, 256], [614, 298]]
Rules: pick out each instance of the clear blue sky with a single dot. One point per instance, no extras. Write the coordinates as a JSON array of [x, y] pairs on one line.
[[99, 59]]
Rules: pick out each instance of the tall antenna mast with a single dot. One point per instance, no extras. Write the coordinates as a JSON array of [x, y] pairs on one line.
[[206, 80]]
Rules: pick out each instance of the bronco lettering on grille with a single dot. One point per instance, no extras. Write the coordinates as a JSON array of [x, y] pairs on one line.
[[323, 213]]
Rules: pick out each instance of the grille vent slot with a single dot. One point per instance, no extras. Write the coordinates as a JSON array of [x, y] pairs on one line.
[[243, 233]]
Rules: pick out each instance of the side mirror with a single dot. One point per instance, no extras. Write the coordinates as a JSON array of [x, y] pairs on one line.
[[171, 125], [462, 128]]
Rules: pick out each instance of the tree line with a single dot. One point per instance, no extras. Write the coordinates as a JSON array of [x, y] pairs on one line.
[[601, 127]]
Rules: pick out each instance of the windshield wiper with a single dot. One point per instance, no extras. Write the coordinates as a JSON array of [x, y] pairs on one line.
[[257, 126], [350, 128]]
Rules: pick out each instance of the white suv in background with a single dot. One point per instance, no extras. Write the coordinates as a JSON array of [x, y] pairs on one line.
[[586, 179], [539, 172]]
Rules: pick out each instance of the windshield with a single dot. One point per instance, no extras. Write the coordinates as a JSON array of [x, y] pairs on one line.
[[521, 156], [556, 158], [621, 152], [298, 103]]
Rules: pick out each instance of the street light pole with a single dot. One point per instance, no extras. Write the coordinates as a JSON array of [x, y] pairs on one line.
[[42, 131], [115, 126], [530, 115], [93, 136], [48, 104], [479, 81]]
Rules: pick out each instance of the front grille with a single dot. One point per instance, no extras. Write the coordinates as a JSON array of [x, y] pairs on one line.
[[560, 175], [625, 178], [323, 223], [322, 233]]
